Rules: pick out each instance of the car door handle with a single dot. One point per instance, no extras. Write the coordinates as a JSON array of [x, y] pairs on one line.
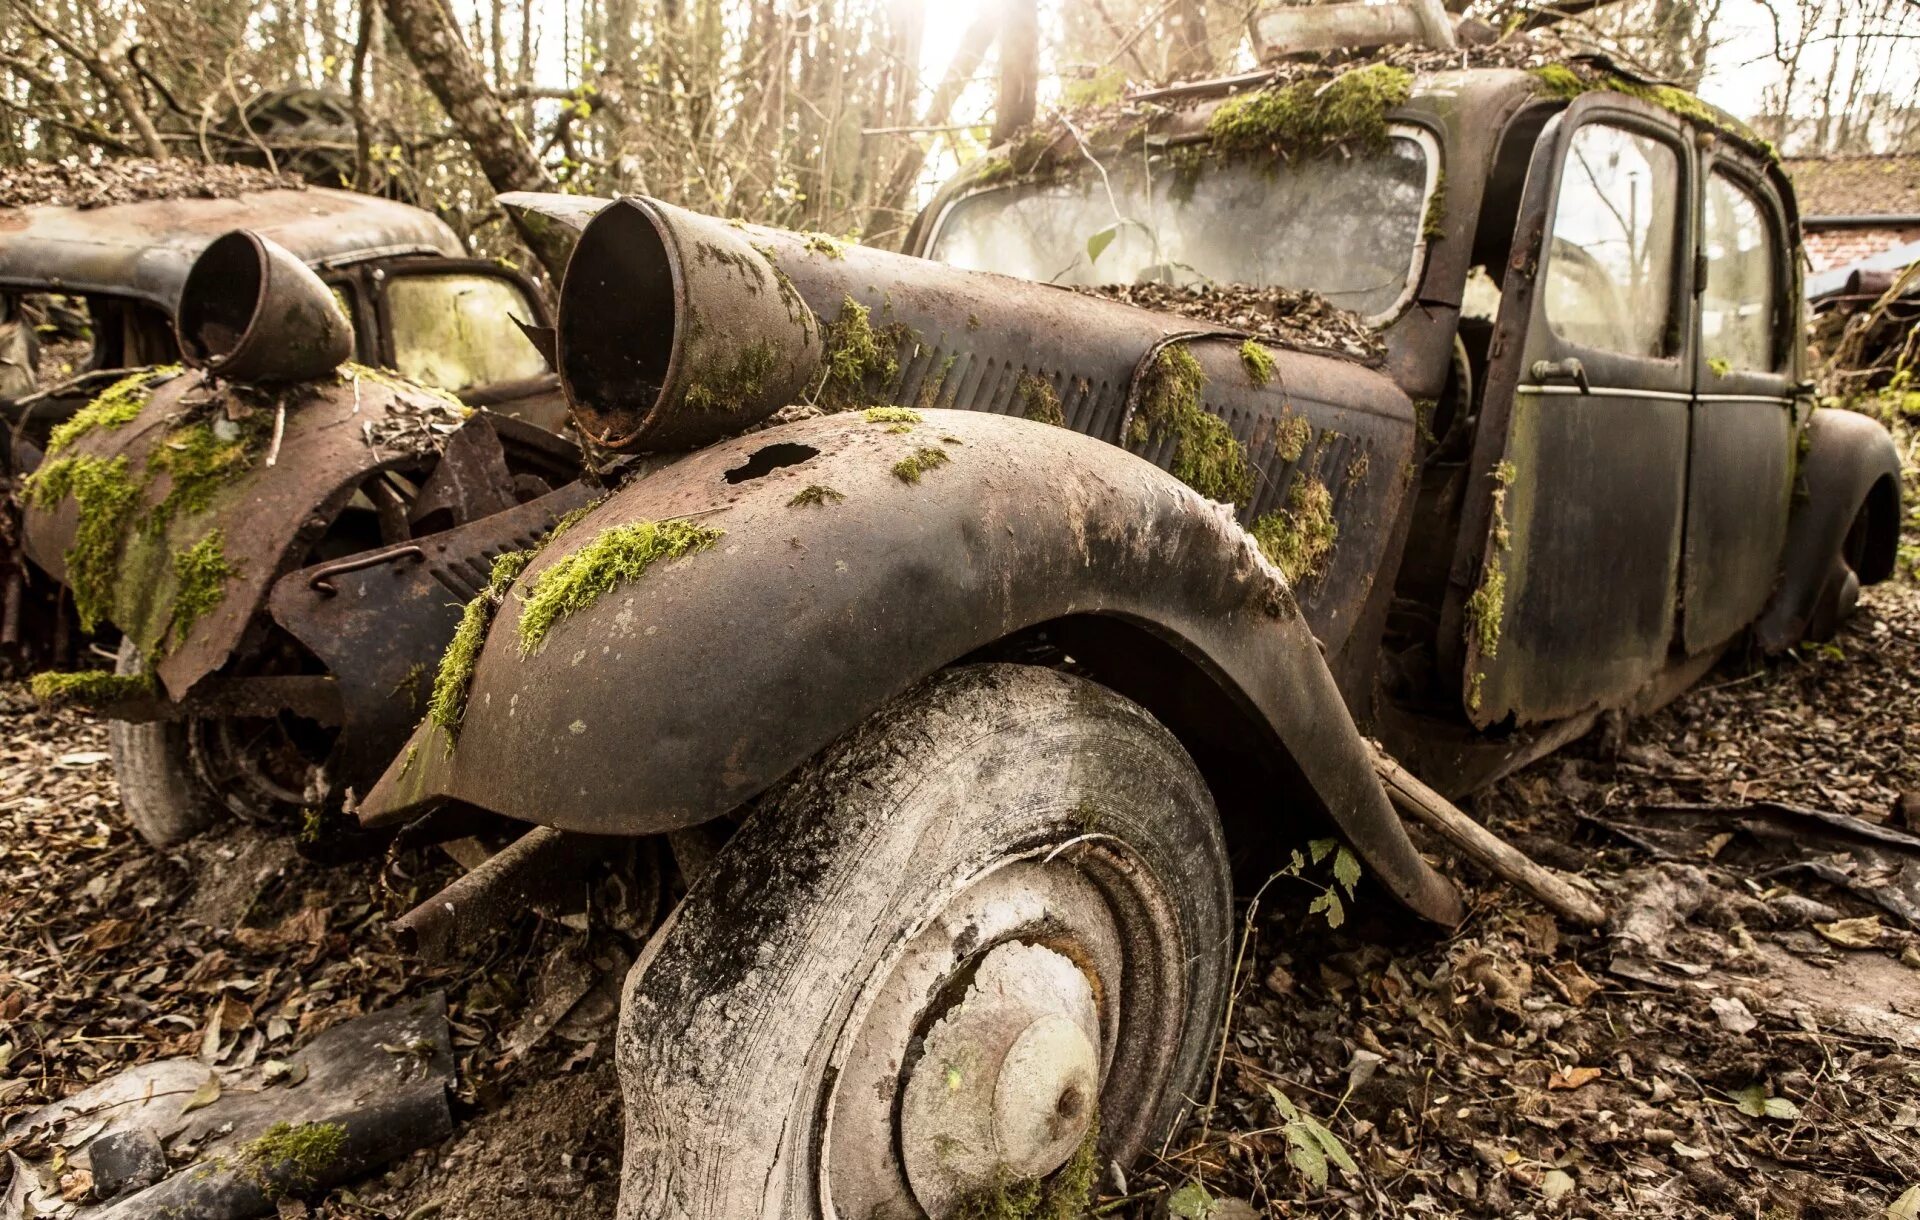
[[1569, 369]]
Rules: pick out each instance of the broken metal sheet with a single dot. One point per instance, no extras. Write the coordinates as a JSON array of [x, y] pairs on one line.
[[472, 480], [1767, 841], [382, 1079]]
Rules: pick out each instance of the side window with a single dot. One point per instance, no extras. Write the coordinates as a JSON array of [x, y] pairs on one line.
[[1610, 265], [1736, 305]]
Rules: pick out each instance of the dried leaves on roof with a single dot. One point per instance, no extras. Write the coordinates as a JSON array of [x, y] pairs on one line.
[[128, 180], [1302, 320]]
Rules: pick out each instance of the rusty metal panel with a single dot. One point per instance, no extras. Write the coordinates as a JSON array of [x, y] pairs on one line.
[[679, 696], [267, 515], [380, 621], [143, 250]]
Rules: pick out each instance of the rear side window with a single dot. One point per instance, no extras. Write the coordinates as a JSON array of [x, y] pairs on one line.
[[456, 331], [1610, 265], [1736, 305]]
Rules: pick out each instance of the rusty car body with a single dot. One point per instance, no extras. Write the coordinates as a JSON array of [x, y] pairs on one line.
[[979, 669]]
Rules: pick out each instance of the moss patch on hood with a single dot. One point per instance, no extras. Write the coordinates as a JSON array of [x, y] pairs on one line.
[[1206, 456]]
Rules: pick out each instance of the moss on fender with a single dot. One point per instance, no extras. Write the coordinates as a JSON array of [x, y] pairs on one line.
[[108, 498], [617, 555], [114, 407], [1039, 401], [1299, 539], [90, 688], [448, 703], [201, 573]]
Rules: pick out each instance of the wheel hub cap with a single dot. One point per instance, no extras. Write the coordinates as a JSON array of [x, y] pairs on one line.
[[1007, 1082]]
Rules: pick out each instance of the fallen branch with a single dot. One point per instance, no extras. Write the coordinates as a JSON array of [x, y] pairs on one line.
[[1485, 848]]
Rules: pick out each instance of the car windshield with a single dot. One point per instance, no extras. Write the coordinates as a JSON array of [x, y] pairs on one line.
[[456, 331], [1347, 227]]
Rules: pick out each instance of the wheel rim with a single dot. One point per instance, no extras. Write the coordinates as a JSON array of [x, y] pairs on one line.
[[256, 766], [1045, 994]]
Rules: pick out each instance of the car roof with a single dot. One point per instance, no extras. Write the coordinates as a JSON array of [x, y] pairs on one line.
[[143, 250]]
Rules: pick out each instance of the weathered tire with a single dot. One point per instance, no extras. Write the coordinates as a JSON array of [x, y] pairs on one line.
[[159, 787], [1005, 892]]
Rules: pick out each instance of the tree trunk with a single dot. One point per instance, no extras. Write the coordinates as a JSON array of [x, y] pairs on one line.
[[899, 183], [432, 41], [1019, 68]]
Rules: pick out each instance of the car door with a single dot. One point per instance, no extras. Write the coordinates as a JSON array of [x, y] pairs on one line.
[[1564, 583], [1741, 464]]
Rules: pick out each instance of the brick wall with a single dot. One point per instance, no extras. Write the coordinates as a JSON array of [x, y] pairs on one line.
[[1838, 247]]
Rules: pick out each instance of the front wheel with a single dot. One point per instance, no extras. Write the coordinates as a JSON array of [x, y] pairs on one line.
[[975, 950]]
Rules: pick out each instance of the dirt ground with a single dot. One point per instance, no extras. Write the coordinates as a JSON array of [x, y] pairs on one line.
[[1742, 1041]]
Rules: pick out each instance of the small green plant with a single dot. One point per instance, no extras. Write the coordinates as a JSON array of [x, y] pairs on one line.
[[90, 688], [1039, 401], [617, 555], [1345, 870], [1206, 455], [891, 415], [815, 494], [1311, 1148]]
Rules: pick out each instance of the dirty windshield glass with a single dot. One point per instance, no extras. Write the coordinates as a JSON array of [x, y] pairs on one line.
[[457, 331], [1345, 227]]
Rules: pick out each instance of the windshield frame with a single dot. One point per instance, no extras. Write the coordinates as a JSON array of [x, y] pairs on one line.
[[379, 273], [1402, 128]]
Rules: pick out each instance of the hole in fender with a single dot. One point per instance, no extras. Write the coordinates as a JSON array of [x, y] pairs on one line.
[[771, 458]]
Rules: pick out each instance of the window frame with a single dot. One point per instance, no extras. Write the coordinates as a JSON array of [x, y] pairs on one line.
[[1773, 214], [1675, 335]]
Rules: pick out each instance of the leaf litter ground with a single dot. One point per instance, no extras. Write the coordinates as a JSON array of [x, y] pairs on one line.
[[1713, 1053]]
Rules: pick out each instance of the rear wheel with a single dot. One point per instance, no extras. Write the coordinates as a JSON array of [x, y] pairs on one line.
[[979, 946]]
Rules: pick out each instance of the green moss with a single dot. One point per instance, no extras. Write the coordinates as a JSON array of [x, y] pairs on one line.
[[1487, 607], [617, 555], [91, 688], [909, 469], [1560, 81], [891, 415], [201, 573], [820, 243], [1433, 225], [1067, 1195], [1206, 457], [115, 407], [1356, 469], [201, 458], [737, 385], [1309, 117], [292, 1155], [857, 354], [1039, 401], [1258, 361], [1720, 366], [1291, 436], [815, 494], [448, 705], [1300, 538], [108, 499], [1565, 83]]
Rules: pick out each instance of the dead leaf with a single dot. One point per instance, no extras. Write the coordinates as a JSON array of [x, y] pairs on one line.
[[1574, 1078], [1861, 933], [205, 1095]]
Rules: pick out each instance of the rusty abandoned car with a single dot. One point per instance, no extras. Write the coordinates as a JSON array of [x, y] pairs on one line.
[[168, 507], [964, 691], [972, 717]]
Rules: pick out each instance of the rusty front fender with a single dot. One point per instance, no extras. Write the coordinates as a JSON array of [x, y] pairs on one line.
[[680, 696], [265, 517], [1849, 464]]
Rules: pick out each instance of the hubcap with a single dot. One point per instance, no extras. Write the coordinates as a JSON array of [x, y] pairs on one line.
[[986, 1049], [1007, 1082]]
